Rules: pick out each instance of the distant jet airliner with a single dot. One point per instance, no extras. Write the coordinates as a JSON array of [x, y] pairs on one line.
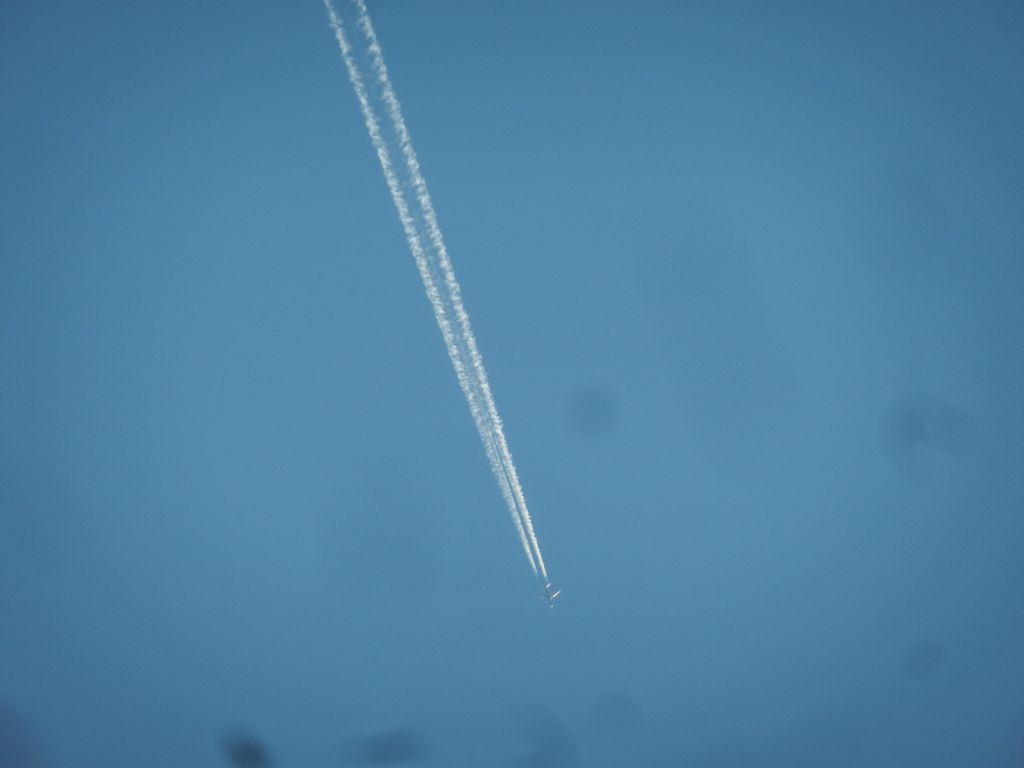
[[550, 596]]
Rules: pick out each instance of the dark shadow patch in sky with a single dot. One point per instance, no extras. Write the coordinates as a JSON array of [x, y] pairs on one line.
[[400, 745], [245, 751], [593, 411], [924, 659], [917, 421]]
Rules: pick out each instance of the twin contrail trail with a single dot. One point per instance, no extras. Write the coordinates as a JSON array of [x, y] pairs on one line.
[[365, 64]]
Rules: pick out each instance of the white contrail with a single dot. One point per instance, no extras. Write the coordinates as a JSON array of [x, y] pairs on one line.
[[419, 222], [495, 433]]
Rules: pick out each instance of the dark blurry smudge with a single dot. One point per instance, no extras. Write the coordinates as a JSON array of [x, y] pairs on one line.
[[918, 420], [17, 749], [615, 711], [401, 745], [246, 752], [593, 411], [923, 659], [549, 743]]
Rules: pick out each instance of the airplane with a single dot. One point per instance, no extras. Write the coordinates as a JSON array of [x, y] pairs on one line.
[[550, 596]]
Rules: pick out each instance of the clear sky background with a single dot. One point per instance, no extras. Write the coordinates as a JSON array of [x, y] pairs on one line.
[[747, 278]]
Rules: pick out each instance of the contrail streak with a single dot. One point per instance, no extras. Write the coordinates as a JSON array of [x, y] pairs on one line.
[[416, 212]]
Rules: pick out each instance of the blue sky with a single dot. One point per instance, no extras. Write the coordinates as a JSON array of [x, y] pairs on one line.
[[747, 284]]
